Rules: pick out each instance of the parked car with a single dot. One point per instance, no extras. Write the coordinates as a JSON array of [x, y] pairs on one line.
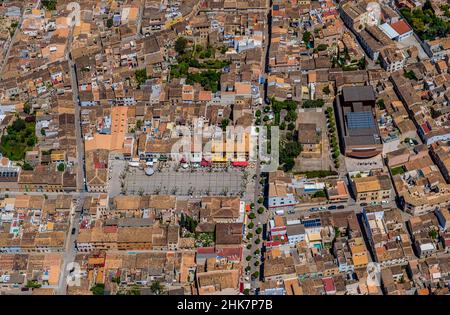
[[314, 209], [341, 207], [363, 204], [291, 212], [73, 231], [332, 207], [383, 202]]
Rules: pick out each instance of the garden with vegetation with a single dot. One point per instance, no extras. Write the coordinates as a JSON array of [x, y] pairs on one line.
[[344, 61], [318, 174], [313, 103], [199, 57], [49, 4], [289, 147], [20, 138], [425, 23], [398, 170], [188, 225]]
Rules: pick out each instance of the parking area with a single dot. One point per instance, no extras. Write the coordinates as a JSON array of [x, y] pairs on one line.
[[186, 183]]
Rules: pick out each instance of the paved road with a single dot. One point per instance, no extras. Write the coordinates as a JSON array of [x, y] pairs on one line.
[[260, 219], [81, 186], [300, 211], [70, 250]]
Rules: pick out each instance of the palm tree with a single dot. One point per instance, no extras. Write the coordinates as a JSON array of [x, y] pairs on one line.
[[157, 288]]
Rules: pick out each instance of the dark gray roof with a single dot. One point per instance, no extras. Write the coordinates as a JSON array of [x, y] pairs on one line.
[[358, 93], [135, 222], [295, 229]]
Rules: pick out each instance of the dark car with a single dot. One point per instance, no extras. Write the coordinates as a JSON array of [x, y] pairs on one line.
[[73, 231], [363, 204], [341, 207], [332, 207]]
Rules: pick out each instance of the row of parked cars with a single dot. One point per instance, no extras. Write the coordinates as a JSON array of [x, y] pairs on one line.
[[374, 203], [325, 208]]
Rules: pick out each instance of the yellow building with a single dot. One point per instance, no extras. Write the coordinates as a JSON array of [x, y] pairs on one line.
[[359, 252], [372, 188], [234, 149]]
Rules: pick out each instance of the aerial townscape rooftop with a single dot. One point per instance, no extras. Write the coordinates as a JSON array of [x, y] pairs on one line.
[[224, 147]]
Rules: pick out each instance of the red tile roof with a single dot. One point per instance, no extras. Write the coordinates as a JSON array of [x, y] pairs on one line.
[[206, 250], [328, 284], [401, 27], [426, 129]]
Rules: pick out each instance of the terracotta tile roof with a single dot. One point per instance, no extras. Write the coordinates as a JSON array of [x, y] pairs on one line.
[[401, 27]]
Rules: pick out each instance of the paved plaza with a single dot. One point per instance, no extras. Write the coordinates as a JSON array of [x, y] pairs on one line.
[[185, 182]]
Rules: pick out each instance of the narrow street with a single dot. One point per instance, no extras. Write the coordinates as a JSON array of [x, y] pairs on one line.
[[70, 250], [81, 176]]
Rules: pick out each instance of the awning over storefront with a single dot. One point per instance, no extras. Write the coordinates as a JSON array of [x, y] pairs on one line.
[[240, 164], [205, 163]]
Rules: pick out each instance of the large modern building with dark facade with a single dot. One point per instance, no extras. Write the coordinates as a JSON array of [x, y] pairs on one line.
[[359, 135]]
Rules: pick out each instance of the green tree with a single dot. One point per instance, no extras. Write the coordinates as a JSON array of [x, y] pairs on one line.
[[61, 167], [319, 194], [433, 234], [224, 124], [307, 37], [180, 45], [98, 289], [410, 75], [33, 284], [27, 167], [337, 232], [49, 4], [380, 104], [157, 288], [26, 108], [291, 116], [322, 47], [141, 76], [109, 23], [313, 103]]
